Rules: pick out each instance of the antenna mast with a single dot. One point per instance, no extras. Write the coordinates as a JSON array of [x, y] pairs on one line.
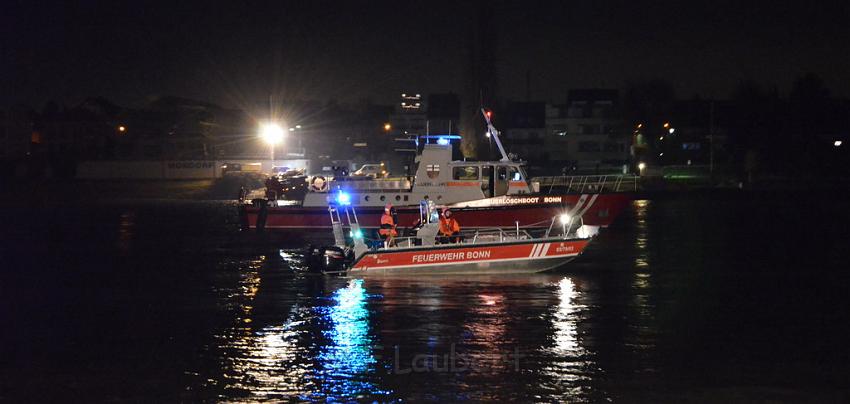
[[495, 135]]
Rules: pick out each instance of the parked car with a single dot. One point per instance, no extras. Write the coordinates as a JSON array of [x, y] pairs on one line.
[[372, 170], [231, 168], [280, 169]]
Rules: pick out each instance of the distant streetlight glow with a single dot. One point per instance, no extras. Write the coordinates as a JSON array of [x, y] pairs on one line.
[[122, 128], [641, 166], [672, 130], [666, 125], [387, 127], [271, 133], [837, 143]]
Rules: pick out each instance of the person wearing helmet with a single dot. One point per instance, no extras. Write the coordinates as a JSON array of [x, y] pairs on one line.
[[388, 226], [449, 228]]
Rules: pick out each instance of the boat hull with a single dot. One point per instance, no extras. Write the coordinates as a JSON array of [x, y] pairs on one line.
[[521, 257], [529, 211]]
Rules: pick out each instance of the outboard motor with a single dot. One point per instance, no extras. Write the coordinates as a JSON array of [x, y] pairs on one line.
[[327, 259]]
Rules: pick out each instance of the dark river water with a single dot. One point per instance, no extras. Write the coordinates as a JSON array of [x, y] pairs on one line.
[[696, 298]]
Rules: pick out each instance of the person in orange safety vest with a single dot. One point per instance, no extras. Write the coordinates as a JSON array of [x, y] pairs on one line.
[[449, 228], [388, 226]]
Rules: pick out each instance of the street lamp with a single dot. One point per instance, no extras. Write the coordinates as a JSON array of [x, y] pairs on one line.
[[641, 166], [271, 133]]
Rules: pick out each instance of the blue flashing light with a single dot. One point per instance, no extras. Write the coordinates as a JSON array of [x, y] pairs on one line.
[[442, 141], [357, 233], [343, 198]]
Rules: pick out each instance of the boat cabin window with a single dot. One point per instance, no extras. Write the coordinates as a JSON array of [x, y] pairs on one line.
[[487, 177], [465, 173], [503, 173], [515, 175], [486, 171], [433, 170]]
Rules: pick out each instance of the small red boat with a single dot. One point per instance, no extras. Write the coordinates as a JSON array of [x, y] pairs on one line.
[[519, 256], [494, 251]]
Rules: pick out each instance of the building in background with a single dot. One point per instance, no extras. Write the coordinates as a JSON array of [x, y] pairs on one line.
[[586, 134], [524, 132]]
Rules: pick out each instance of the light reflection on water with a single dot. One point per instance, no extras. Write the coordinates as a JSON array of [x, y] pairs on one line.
[[322, 349], [347, 357], [564, 322], [642, 281], [329, 347], [641, 224]]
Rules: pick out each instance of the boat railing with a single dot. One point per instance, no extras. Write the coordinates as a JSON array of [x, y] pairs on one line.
[[388, 185], [489, 235], [589, 183], [470, 237]]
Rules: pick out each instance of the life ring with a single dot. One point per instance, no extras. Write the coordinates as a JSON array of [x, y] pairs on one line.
[[319, 184]]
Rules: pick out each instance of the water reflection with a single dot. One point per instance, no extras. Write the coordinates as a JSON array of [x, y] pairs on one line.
[[641, 225], [347, 358], [320, 349], [565, 320], [264, 363], [644, 327], [572, 366], [487, 328]]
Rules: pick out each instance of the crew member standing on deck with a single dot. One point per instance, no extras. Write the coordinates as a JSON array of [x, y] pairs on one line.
[[449, 228], [388, 226]]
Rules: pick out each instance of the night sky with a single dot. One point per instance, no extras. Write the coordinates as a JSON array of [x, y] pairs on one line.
[[237, 53]]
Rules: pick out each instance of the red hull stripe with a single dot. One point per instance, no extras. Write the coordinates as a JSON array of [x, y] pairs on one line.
[[468, 255]]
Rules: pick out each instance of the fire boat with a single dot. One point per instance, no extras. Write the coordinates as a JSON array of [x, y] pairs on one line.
[[482, 194], [481, 251]]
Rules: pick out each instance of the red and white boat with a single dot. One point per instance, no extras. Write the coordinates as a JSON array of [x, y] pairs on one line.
[[514, 256], [495, 251], [481, 194]]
